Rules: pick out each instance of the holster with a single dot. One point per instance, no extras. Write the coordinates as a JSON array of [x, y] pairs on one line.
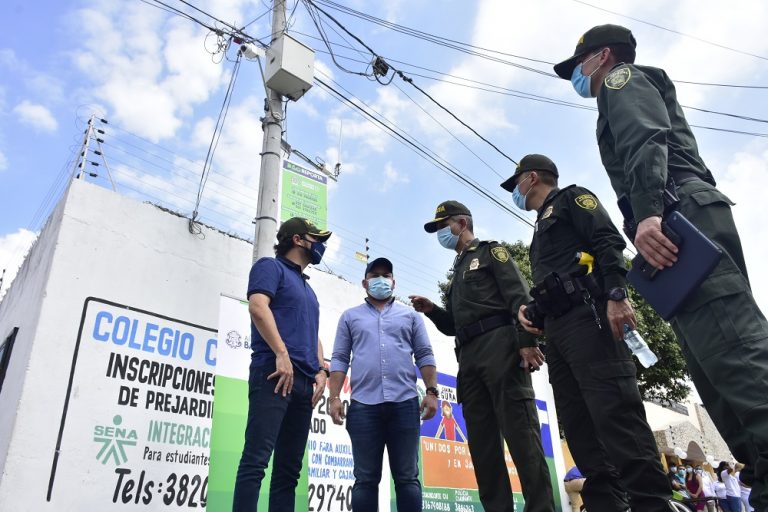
[[556, 295]]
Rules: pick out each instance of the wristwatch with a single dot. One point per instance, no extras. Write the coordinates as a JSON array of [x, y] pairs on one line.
[[617, 293], [325, 370], [433, 391]]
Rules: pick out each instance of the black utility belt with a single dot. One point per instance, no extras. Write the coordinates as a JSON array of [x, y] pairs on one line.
[[556, 295], [469, 332]]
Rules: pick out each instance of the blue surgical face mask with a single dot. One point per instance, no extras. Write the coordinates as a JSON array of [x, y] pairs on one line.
[[316, 251], [583, 83], [380, 287], [447, 239], [518, 198]]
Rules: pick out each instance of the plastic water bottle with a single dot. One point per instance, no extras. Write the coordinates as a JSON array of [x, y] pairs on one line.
[[639, 347]]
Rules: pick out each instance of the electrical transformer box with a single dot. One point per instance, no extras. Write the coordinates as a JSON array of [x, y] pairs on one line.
[[290, 67]]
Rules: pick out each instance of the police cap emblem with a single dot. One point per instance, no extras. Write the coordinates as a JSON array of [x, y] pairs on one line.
[[587, 201], [618, 78], [500, 253]]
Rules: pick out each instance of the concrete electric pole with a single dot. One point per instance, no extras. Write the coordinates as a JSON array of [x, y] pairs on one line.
[[269, 178]]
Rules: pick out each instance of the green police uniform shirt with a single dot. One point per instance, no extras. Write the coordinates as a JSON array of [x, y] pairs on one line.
[[572, 220], [643, 134], [485, 282]]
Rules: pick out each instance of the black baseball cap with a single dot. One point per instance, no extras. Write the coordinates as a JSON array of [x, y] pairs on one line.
[[443, 211], [596, 37], [301, 226], [378, 262], [532, 162]]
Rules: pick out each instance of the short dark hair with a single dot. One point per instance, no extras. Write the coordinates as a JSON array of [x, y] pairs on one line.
[[623, 53], [283, 246], [547, 178]]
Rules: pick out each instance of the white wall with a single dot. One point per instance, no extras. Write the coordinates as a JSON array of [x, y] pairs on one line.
[[21, 308]]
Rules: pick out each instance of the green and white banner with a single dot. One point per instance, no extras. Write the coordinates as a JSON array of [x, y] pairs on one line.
[[304, 194]]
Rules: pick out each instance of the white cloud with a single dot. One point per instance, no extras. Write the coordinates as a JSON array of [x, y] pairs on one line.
[[3, 162], [152, 69], [36, 116], [13, 249], [745, 175], [392, 177]]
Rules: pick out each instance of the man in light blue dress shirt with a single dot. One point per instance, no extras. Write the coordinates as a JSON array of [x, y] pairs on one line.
[[383, 337]]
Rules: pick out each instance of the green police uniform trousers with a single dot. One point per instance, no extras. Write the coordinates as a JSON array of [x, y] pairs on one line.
[[498, 402], [724, 338]]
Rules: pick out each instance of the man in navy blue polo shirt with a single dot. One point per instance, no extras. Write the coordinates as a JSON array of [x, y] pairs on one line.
[[383, 337], [287, 374]]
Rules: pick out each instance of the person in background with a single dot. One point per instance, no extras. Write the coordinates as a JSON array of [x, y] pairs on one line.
[[732, 489], [745, 489], [695, 487], [574, 483], [379, 341], [720, 488], [708, 489]]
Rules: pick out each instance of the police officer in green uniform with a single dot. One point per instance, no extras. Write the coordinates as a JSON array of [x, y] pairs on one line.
[[482, 300], [646, 145], [583, 316]]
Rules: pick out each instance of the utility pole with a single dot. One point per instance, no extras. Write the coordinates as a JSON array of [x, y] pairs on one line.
[[269, 178]]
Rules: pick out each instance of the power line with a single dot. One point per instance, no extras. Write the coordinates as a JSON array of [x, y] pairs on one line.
[[419, 149], [310, 4], [216, 137], [440, 40], [671, 30], [496, 89], [463, 46]]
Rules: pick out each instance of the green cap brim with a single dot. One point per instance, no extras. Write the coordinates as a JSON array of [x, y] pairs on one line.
[[431, 226], [322, 236]]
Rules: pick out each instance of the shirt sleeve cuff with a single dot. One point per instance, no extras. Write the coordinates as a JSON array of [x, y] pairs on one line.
[[526, 339], [647, 205], [263, 292], [338, 366], [614, 281]]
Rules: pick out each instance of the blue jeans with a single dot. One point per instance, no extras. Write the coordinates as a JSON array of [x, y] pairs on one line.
[[274, 423], [396, 426], [731, 504]]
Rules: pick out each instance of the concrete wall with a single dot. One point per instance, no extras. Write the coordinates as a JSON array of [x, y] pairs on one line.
[[21, 308]]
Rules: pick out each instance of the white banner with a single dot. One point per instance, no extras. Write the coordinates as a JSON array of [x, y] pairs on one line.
[[136, 425]]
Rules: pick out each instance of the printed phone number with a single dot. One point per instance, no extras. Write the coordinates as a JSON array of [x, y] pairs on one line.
[[177, 489]]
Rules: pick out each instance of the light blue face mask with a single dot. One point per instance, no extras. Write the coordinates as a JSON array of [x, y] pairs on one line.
[[380, 287], [583, 83], [447, 239], [518, 198]]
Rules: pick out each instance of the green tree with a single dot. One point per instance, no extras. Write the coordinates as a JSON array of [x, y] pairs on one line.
[[666, 380]]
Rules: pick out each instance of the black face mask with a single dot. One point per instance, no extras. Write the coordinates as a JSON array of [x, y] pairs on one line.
[[316, 251]]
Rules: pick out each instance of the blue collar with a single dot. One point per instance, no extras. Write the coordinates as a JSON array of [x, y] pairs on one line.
[[293, 266]]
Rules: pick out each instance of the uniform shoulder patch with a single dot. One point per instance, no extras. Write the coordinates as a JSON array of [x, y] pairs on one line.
[[586, 201], [500, 253], [618, 78]]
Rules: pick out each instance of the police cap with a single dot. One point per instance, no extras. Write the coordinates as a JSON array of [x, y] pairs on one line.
[[532, 162], [596, 37], [443, 211], [301, 226]]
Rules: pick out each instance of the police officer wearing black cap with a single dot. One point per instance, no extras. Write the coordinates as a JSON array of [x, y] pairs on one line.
[[583, 311], [647, 148], [482, 300]]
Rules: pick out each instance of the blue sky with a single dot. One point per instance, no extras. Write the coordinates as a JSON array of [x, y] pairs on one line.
[[153, 77]]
